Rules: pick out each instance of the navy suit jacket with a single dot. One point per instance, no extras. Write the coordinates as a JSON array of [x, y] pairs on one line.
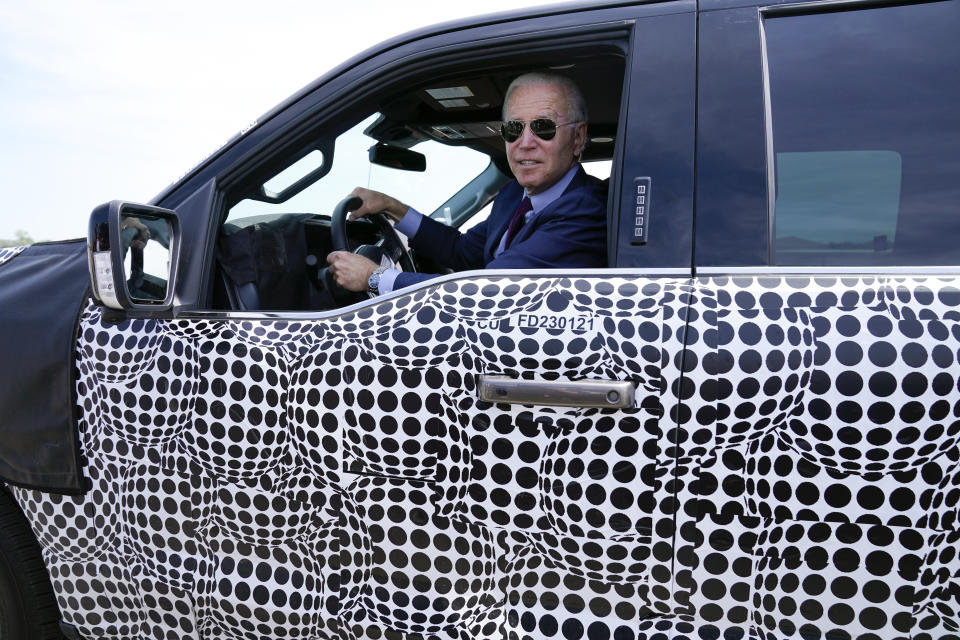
[[569, 232]]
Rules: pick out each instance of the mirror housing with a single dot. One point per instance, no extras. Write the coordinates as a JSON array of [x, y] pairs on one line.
[[133, 251], [387, 155]]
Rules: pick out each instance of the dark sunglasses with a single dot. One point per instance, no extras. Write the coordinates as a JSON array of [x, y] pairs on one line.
[[543, 128]]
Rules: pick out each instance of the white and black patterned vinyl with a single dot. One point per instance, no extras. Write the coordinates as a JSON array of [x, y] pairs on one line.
[[8, 253], [792, 474]]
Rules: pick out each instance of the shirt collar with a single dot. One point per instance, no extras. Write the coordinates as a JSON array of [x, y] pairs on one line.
[[544, 198]]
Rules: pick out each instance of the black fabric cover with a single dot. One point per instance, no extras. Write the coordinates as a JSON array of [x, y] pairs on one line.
[[42, 292], [271, 255]]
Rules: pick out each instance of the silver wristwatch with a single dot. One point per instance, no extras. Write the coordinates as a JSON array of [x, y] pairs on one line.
[[373, 284]]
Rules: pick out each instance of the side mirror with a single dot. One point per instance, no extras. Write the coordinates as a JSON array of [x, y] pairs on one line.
[[387, 155], [133, 251]]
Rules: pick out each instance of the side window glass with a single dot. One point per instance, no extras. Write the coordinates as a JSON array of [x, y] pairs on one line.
[[862, 107], [836, 201]]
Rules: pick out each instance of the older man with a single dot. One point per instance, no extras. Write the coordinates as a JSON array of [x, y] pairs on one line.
[[552, 215]]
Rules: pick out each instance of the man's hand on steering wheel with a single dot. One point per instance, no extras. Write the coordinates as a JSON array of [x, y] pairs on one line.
[[376, 202], [350, 270]]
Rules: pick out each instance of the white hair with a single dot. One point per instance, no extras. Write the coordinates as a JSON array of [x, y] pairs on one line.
[[576, 106]]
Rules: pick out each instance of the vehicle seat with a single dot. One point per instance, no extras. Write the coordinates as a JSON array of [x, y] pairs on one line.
[[264, 264]]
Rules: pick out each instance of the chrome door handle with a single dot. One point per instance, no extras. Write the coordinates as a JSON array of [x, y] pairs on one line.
[[557, 393]]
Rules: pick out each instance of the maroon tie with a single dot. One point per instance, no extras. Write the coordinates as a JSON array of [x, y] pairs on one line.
[[519, 217]]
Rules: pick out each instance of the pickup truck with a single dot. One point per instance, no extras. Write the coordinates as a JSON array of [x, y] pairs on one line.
[[746, 425]]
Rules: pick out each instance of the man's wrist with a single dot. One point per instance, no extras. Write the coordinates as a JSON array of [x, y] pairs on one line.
[[397, 210], [373, 280]]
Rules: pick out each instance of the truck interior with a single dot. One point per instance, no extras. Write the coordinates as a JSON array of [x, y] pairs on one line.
[[434, 145]]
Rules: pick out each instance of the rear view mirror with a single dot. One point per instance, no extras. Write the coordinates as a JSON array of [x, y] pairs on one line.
[[387, 155], [133, 251]]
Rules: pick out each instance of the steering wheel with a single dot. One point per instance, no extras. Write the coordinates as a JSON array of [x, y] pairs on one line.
[[389, 246]]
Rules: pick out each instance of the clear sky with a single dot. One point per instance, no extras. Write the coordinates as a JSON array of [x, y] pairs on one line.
[[112, 99]]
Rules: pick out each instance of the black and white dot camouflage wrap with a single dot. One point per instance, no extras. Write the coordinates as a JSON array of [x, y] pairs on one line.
[[792, 473]]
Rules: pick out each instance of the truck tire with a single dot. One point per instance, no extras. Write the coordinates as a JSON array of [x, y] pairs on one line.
[[28, 609]]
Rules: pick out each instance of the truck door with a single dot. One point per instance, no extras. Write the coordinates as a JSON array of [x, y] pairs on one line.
[[337, 473]]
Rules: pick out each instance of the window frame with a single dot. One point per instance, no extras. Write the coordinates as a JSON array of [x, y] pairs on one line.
[[735, 184], [200, 196], [662, 64]]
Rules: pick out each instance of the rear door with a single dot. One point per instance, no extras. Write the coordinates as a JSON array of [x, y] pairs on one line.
[[821, 448]]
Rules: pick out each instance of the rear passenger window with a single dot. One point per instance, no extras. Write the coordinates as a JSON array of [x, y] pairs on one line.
[[836, 201], [865, 112]]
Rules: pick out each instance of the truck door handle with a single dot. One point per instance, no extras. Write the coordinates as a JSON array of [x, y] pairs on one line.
[[604, 394]]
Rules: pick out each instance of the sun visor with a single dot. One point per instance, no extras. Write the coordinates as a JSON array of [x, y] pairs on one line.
[[42, 291]]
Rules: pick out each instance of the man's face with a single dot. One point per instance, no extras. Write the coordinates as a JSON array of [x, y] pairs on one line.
[[536, 163]]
